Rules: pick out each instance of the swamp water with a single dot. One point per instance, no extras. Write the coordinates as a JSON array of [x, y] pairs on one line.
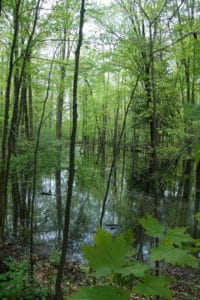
[[134, 190]]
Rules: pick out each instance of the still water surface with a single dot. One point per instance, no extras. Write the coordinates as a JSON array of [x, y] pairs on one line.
[[128, 199]]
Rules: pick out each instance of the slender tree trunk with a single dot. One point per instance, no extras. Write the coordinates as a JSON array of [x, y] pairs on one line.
[[155, 139], [187, 173], [3, 179], [59, 204], [197, 200], [24, 209], [23, 113], [85, 137], [30, 106], [115, 156], [16, 202], [58, 290], [115, 151], [59, 116], [32, 204], [60, 99]]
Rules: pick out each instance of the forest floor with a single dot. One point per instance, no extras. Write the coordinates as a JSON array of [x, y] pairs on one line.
[[186, 285]]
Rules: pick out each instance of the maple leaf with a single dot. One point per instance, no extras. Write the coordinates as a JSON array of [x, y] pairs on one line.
[[108, 254], [178, 236], [152, 226], [174, 256], [154, 286], [137, 269]]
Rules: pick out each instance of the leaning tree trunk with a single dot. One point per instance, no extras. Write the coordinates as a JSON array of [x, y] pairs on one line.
[[32, 204], [113, 163], [58, 290]]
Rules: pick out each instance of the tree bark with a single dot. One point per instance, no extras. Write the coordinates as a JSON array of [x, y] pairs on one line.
[[32, 204], [30, 106], [3, 179], [58, 290], [13, 132]]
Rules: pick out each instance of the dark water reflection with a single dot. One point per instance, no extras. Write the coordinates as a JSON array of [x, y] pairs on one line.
[[128, 199]]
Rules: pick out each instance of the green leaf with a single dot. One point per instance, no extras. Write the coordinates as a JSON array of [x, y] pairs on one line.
[[137, 269], [177, 236], [128, 236], [152, 226], [197, 216], [100, 293], [108, 254], [154, 286], [174, 256]]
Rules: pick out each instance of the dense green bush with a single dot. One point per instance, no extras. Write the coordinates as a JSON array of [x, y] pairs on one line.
[[17, 283]]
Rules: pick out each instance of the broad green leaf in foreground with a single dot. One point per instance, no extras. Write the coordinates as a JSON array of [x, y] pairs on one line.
[[100, 293], [137, 269], [108, 253], [177, 236], [152, 226], [174, 256], [154, 286]]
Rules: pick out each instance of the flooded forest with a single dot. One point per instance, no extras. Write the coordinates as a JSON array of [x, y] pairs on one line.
[[99, 124]]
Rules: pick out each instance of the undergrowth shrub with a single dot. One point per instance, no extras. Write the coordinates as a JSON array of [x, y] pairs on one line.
[[17, 284], [119, 274]]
